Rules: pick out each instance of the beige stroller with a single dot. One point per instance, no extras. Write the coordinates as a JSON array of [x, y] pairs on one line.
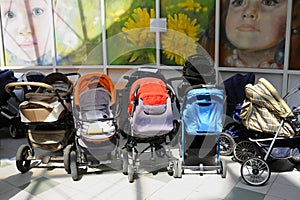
[[48, 119]]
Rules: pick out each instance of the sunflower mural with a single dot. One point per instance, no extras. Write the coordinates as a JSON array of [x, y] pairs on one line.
[[190, 27], [131, 42]]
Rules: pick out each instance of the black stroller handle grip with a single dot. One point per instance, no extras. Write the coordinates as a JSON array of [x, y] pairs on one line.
[[37, 84]]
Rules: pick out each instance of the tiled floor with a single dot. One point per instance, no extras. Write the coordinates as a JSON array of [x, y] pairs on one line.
[[43, 183]]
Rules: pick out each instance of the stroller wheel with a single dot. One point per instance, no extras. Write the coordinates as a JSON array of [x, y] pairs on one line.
[[74, 166], [243, 150], [160, 151], [23, 165], [295, 159], [130, 173], [67, 152], [223, 169], [255, 171], [177, 169], [125, 162], [226, 144], [170, 168], [16, 131]]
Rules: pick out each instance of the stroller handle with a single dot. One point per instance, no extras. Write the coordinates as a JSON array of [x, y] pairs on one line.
[[37, 84]]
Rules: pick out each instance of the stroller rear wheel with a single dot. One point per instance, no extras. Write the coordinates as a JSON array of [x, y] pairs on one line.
[[243, 150], [67, 152], [226, 144], [255, 171], [23, 153], [74, 166], [16, 130]]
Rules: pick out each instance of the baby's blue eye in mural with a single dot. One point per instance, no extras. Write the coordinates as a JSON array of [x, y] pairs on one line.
[[37, 11], [10, 15]]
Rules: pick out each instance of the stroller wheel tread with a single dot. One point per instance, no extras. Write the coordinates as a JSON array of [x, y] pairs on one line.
[[67, 152], [74, 167], [130, 174], [125, 162], [23, 165], [223, 169]]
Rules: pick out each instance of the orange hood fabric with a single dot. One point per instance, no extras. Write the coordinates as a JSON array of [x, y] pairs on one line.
[[91, 81], [152, 91]]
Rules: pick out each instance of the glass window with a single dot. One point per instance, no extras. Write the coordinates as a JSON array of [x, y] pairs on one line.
[[78, 32]]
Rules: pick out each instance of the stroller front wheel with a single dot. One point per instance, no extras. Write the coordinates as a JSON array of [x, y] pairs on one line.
[[130, 174], [226, 144], [255, 171], [23, 153]]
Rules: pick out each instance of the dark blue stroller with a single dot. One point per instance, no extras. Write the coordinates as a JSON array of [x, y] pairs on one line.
[[9, 104], [234, 131]]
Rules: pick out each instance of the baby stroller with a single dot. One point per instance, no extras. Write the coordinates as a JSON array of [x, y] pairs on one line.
[[202, 118], [48, 121], [123, 94], [265, 111], [97, 133], [9, 104], [151, 109], [234, 131]]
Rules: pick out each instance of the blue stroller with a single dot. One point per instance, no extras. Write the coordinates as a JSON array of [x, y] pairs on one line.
[[202, 119], [202, 111]]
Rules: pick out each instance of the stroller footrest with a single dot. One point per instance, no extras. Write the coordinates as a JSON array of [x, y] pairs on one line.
[[202, 167]]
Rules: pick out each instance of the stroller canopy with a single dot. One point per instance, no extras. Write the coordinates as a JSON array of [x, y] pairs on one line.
[[203, 110], [93, 81], [153, 91], [263, 109]]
